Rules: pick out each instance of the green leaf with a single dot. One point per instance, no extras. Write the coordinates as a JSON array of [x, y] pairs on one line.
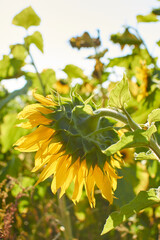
[[73, 71], [10, 68], [156, 11], [26, 18], [19, 52], [138, 138], [48, 77], [120, 95], [143, 200], [147, 18], [9, 132], [131, 61], [146, 156], [36, 39], [154, 116]]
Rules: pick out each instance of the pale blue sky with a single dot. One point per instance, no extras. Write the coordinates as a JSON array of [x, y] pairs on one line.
[[63, 19]]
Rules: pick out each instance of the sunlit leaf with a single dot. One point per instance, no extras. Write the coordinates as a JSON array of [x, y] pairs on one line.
[[145, 156], [9, 132], [119, 95], [154, 116], [138, 138], [19, 51], [147, 18], [141, 201], [73, 71], [10, 68], [36, 39], [26, 18]]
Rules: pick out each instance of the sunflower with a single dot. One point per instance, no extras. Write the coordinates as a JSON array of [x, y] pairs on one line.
[[69, 140]]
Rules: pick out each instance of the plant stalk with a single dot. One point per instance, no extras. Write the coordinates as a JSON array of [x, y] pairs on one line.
[[65, 218]]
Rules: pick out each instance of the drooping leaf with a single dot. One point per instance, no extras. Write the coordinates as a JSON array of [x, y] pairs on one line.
[[119, 95], [26, 18], [154, 116], [147, 18], [85, 41], [73, 71], [143, 200], [19, 52], [126, 38], [138, 138], [36, 39]]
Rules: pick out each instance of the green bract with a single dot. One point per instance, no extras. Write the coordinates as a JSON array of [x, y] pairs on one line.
[[82, 133]]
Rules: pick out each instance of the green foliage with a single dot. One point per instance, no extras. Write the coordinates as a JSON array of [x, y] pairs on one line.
[[87, 134], [36, 39], [138, 138], [10, 67], [141, 201], [73, 71], [9, 132], [147, 18], [26, 18], [154, 116], [120, 95]]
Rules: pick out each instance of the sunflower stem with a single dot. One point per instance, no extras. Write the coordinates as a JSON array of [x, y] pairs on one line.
[[126, 119], [65, 218]]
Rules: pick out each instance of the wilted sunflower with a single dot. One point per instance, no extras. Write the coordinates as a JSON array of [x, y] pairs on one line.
[[69, 141]]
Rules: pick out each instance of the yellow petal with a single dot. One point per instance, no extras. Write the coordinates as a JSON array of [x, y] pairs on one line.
[[43, 100], [90, 183], [33, 141], [103, 183], [61, 173]]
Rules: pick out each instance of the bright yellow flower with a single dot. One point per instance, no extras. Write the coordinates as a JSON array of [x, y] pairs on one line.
[[69, 146]]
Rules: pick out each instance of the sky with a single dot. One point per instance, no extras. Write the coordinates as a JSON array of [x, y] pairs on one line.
[[63, 19]]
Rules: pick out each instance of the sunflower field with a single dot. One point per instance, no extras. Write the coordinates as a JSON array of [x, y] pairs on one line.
[[80, 156]]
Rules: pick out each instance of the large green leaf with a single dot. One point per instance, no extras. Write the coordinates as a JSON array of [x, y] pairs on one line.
[[120, 95], [147, 18], [36, 39], [138, 138], [26, 18], [154, 116], [143, 200], [9, 132]]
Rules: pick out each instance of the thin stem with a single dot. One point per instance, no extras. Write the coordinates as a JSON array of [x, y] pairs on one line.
[[65, 217], [38, 75]]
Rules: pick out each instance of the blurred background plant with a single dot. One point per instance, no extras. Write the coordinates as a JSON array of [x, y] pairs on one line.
[[29, 212]]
